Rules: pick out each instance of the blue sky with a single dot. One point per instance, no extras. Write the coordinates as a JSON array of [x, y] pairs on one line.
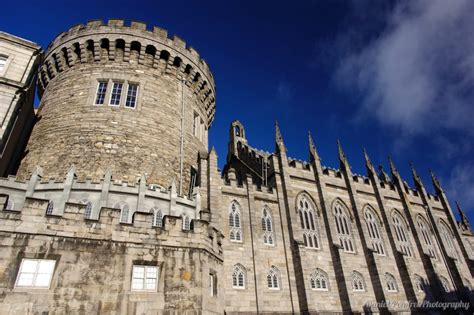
[[395, 77]]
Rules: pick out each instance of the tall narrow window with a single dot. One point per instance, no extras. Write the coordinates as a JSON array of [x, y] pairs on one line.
[[419, 283], [157, 217], [343, 228], [116, 94], [235, 227], [186, 223], [267, 227], [319, 280], [212, 284], [50, 208], [273, 278], [196, 125], [35, 273], [390, 282], [357, 281], [131, 96], [448, 239], [308, 221], [101, 91], [88, 209], [426, 233], [3, 61], [374, 232], [10, 204], [238, 277], [125, 212], [445, 284], [144, 278], [402, 237]]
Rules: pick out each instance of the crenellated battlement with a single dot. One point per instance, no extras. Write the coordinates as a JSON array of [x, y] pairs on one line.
[[97, 42], [34, 219]]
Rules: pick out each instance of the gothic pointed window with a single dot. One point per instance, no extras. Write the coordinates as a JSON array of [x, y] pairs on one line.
[[267, 227], [157, 217], [124, 212], [390, 283], [88, 209], [50, 208], [273, 278], [308, 221], [10, 204], [343, 228], [419, 283], [235, 227], [401, 234], [319, 280], [238, 277], [375, 234], [448, 239], [357, 281], [427, 236], [186, 223]]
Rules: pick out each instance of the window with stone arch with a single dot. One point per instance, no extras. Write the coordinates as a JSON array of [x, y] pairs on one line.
[[267, 227], [445, 284], [308, 220], [157, 217], [88, 209], [343, 227], [448, 239], [390, 283], [50, 207], [357, 282], [186, 222], [319, 280], [419, 283], [238, 277], [10, 204], [401, 233], [124, 212], [273, 278], [373, 226], [427, 235], [235, 224]]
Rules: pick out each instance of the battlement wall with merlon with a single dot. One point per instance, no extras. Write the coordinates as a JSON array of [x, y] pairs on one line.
[[101, 43]]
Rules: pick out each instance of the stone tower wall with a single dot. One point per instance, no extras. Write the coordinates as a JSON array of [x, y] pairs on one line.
[[131, 142]]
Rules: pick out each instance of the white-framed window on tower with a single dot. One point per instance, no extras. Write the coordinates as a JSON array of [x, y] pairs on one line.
[[132, 92], [100, 93], [116, 94], [35, 273], [144, 278]]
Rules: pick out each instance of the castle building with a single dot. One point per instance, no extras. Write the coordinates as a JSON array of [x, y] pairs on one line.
[[118, 205]]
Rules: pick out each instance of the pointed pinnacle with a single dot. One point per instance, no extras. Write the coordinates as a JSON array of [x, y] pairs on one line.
[[435, 181], [278, 136], [312, 146], [368, 162], [461, 212], [342, 155], [393, 169], [415, 175]]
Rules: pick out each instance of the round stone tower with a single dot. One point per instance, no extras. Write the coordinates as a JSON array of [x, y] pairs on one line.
[[122, 98]]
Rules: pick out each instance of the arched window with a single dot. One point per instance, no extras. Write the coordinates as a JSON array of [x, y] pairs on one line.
[[267, 227], [426, 233], [419, 283], [448, 239], [400, 231], [124, 212], [186, 222], [391, 283], [235, 225], [374, 231], [10, 204], [309, 225], [319, 280], [238, 277], [343, 227], [273, 278], [357, 281], [445, 284], [50, 208], [157, 217], [88, 209]]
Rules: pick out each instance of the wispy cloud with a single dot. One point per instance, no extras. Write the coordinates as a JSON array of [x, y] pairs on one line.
[[417, 78]]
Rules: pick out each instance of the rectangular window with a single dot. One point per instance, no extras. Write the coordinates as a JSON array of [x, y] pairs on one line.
[[144, 278], [196, 125], [131, 96], [35, 273], [3, 61], [116, 94], [100, 96], [212, 284]]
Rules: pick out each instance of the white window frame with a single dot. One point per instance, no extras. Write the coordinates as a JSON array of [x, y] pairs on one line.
[[114, 83], [391, 283], [267, 227], [235, 230], [35, 273], [10, 204], [401, 232], [88, 209], [375, 233], [274, 276], [319, 274], [238, 270], [104, 93], [157, 214], [186, 222], [357, 281], [133, 96], [309, 223], [144, 278], [3, 64], [344, 228]]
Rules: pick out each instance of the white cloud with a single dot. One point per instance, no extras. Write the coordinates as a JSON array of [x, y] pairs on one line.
[[418, 76]]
